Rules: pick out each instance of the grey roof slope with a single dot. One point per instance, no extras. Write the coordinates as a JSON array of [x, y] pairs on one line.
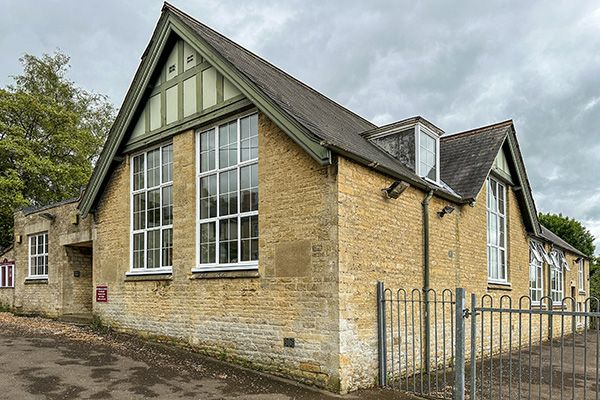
[[467, 157], [332, 124], [554, 238]]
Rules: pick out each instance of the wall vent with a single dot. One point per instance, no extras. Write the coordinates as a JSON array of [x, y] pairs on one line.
[[289, 342], [172, 68], [190, 58]]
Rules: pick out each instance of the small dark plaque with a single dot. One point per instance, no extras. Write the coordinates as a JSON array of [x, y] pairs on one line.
[[77, 274], [101, 294], [289, 342]]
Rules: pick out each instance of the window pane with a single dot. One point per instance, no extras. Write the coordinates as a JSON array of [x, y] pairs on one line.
[[167, 205], [249, 238], [207, 243], [208, 197], [207, 151], [228, 195], [167, 163], [249, 188], [138, 172], [139, 211], [153, 208], [153, 172], [33, 245], [228, 251], [167, 247], [138, 250], [249, 138], [153, 252], [228, 145]]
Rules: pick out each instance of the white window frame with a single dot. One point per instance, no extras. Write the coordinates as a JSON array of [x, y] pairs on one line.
[[581, 272], [43, 254], [536, 264], [216, 266], [557, 278], [145, 270], [6, 277], [418, 130], [501, 247]]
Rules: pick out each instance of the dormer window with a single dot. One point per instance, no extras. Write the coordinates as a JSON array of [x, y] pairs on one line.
[[427, 154], [415, 142]]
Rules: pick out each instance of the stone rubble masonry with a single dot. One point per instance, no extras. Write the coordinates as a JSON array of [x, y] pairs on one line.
[[63, 292], [381, 240], [238, 316], [327, 235]]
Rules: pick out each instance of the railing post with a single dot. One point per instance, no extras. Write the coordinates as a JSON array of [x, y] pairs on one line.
[[459, 347], [382, 350], [473, 346]]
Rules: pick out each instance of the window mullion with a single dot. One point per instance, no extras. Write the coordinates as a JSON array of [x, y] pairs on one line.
[[238, 188]]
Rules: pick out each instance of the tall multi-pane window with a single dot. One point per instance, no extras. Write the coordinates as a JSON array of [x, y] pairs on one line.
[[152, 210], [496, 231], [427, 156], [556, 277], [536, 272], [228, 195], [38, 255], [581, 270]]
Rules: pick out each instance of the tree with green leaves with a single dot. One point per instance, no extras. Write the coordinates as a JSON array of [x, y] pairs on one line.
[[51, 134], [578, 236], [571, 231]]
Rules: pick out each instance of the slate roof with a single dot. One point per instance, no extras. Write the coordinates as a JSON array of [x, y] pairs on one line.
[[34, 209], [333, 125], [552, 237], [467, 157]]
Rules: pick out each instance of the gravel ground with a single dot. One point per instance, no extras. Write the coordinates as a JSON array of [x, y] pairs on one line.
[[45, 359]]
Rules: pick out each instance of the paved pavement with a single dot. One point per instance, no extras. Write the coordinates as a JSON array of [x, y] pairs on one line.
[[42, 359]]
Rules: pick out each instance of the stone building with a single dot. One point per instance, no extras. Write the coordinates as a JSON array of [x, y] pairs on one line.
[[239, 211]]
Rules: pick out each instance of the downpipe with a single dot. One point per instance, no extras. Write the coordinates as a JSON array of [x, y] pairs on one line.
[[426, 286]]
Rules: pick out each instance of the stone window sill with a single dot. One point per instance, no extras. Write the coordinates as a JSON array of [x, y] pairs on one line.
[[148, 277], [240, 274], [36, 281], [499, 286]]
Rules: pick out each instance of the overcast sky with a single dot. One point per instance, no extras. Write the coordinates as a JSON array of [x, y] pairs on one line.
[[459, 64]]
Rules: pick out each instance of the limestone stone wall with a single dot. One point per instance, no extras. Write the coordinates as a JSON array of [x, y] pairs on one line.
[[237, 316], [382, 240], [47, 296]]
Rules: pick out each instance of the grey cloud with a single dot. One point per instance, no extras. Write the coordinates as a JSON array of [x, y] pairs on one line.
[[459, 64]]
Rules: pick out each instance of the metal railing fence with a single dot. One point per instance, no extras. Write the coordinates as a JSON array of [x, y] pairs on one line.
[[432, 344]]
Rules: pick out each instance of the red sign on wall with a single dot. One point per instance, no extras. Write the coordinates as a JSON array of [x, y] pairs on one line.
[[101, 294]]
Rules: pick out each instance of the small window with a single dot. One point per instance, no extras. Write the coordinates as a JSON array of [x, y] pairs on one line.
[[7, 279], [38, 255], [496, 231], [536, 273], [152, 211], [581, 275], [556, 277], [427, 156]]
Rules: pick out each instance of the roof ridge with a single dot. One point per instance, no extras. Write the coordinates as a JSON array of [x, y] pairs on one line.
[[477, 130], [194, 20]]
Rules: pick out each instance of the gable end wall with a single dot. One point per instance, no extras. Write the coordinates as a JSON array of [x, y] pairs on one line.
[[238, 319]]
